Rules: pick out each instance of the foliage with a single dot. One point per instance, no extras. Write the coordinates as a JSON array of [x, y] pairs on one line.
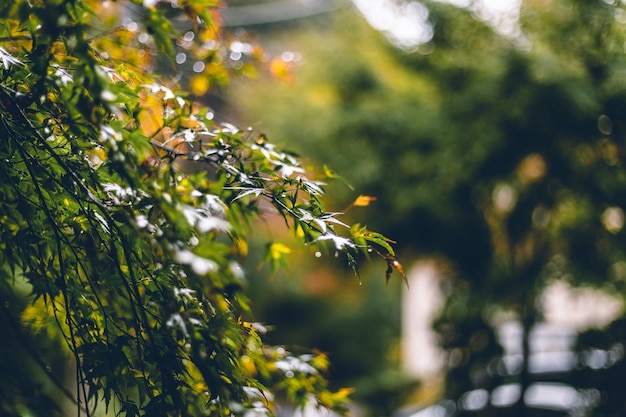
[[503, 154], [125, 212]]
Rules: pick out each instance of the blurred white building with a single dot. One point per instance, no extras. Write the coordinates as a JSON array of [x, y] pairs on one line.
[[567, 311]]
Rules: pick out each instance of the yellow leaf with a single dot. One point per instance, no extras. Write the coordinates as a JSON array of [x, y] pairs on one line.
[[199, 85], [242, 247], [363, 201], [281, 69], [329, 172], [261, 140], [277, 250], [248, 365], [345, 392]]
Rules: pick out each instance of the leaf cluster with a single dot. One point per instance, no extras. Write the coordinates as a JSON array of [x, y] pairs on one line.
[[126, 209]]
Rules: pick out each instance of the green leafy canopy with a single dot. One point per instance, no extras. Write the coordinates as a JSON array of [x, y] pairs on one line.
[[126, 209]]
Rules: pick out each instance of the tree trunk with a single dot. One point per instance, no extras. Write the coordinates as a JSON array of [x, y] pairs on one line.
[[528, 321]]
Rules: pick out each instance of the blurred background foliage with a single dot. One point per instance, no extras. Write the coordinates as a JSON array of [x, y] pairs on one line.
[[502, 154]]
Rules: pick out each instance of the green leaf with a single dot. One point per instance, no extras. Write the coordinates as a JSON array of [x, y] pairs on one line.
[[162, 31]]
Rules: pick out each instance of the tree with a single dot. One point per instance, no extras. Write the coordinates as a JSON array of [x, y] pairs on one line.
[[125, 212], [507, 157]]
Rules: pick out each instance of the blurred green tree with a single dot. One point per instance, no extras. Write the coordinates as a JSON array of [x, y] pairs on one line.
[[125, 212], [503, 154]]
